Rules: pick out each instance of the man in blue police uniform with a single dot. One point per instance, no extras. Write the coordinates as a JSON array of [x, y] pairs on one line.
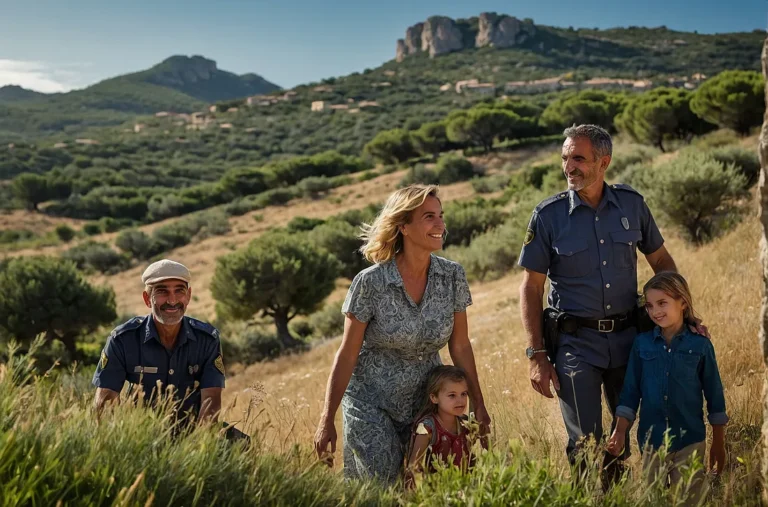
[[586, 241], [165, 348]]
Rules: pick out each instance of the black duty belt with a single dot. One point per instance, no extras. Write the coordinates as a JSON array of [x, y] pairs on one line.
[[612, 324]]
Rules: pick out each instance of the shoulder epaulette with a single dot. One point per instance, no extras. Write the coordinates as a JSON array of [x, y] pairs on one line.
[[206, 328], [130, 325], [549, 200], [624, 186]]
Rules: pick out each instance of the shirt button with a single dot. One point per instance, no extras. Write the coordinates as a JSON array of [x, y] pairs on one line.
[[605, 263], [597, 219], [630, 243], [602, 241], [667, 374], [607, 307], [665, 398], [170, 372], [607, 285], [420, 358]]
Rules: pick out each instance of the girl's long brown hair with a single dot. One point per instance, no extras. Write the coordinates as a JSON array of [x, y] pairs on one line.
[[437, 377], [674, 285]]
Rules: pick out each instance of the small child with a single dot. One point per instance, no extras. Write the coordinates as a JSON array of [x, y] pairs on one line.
[[440, 430], [669, 368]]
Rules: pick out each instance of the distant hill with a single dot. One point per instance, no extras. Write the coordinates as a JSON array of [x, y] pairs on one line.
[[199, 77], [179, 83], [14, 93], [417, 85]]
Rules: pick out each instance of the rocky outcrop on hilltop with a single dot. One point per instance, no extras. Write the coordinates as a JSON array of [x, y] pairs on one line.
[[440, 35], [502, 31]]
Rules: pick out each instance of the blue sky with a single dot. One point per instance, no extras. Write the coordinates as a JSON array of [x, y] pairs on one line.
[[56, 45]]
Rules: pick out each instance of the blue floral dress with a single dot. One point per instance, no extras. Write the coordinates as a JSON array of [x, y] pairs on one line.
[[400, 347]]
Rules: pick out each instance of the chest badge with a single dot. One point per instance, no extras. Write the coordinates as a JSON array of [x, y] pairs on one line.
[[194, 369], [625, 223]]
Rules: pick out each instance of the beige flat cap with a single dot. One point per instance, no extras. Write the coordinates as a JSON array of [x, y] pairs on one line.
[[165, 270]]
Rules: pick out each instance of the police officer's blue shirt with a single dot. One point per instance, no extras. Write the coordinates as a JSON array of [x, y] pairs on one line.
[[590, 257], [135, 354], [670, 382]]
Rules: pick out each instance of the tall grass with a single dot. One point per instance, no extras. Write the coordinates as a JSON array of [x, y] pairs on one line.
[[55, 451]]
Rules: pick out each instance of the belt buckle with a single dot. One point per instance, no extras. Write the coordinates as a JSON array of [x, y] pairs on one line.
[[605, 325]]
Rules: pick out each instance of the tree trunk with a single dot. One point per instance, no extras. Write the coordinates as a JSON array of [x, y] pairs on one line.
[[68, 340], [283, 334], [763, 197]]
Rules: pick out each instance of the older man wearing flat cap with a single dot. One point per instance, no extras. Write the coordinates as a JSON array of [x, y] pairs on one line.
[[164, 348]]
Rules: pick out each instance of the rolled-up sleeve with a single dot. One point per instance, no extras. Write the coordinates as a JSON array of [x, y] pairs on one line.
[[111, 370], [536, 251], [629, 401], [462, 297], [713, 388], [358, 302]]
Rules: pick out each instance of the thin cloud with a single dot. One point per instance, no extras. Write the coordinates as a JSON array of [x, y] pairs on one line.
[[40, 76]]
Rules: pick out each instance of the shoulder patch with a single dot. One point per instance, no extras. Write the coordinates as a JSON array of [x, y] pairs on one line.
[[125, 327], [549, 200], [625, 187], [206, 328]]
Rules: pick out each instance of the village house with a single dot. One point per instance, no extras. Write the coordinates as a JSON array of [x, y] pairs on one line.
[[225, 126], [339, 107], [461, 84], [138, 127], [87, 142], [367, 103], [60, 145], [446, 87], [486, 89], [318, 106], [323, 88], [538, 86], [232, 110]]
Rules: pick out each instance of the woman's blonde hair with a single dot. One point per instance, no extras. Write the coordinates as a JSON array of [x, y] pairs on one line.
[[674, 285], [383, 239]]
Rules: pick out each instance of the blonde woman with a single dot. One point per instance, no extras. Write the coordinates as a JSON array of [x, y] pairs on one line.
[[399, 313]]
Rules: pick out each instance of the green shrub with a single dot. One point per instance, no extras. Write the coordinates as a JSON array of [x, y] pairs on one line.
[[357, 217], [100, 257], [343, 241], [419, 174], [628, 155], [250, 344], [328, 322], [14, 235], [315, 185], [452, 168], [238, 207], [716, 139], [746, 161], [138, 244], [275, 197], [490, 184], [92, 228], [466, 219], [533, 176], [301, 224], [695, 192], [65, 233], [109, 224], [367, 175]]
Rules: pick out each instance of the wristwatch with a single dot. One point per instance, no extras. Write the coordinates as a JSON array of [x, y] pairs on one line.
[[530, 351]]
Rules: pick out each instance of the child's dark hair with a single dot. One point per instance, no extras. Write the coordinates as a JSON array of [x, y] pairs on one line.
[[674, 285], [437, 377]]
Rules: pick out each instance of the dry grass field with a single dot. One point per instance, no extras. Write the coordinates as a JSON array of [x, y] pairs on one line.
[[284, 397]]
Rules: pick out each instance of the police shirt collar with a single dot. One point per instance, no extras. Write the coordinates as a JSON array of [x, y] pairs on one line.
[[574, 201], [393, 277], [185, 332]]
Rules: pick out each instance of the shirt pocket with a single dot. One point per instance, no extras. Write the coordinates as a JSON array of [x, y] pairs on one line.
[[651, 364], [686, 364], [571, 258], [624, 248]]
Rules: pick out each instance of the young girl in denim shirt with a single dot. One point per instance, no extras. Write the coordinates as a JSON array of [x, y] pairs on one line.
[[669, 369]]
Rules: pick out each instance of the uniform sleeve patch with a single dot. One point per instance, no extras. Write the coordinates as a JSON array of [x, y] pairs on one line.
[[529, 235], [104, 360], [219, 364]]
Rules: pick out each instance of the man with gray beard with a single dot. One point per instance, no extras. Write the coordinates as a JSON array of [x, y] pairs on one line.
[[164, 353]]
